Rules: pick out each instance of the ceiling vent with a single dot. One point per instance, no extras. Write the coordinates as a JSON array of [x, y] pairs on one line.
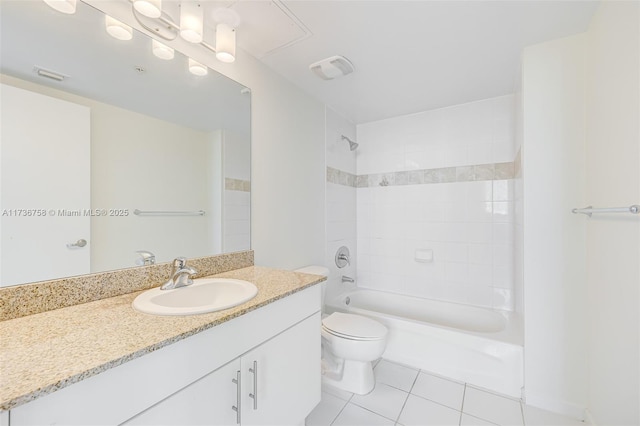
[[333, 67]]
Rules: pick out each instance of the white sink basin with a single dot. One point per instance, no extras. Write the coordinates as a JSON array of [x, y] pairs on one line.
[[204, 295]]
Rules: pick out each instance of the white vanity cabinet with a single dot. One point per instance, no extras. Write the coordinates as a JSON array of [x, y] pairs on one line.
[[279, 383], [270, 385], [205, 402], [191, 381]]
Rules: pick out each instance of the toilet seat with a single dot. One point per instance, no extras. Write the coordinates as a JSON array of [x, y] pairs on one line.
[[353, 327]]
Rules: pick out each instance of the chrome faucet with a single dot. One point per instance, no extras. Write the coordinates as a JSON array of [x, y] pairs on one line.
[[180, 274], [346, 279]]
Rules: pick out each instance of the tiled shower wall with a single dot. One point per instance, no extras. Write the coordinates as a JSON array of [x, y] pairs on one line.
[[440, 182], [237, 192], [341, 200]]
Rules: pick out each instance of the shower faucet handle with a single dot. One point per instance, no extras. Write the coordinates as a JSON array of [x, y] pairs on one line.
[[343, 258]]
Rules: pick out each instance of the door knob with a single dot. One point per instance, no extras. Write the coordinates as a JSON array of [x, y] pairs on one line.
[[79, 243]]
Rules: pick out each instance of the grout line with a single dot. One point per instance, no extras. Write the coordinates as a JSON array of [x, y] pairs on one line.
[[402, 409], [339, 412], [464, 393], [372, 412], [436, 402], [485, 420], [414, 381], [522, 413]]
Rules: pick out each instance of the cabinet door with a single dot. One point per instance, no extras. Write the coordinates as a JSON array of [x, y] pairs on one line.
[[281, 377], [208, 401]]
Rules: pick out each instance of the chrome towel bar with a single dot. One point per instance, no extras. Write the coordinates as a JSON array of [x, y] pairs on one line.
[[168, 213], [589, 210]]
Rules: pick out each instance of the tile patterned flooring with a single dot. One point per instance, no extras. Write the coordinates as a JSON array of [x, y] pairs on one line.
[[406, 396]]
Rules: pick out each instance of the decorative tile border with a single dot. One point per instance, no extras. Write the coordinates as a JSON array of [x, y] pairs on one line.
[[341, 178], [231, 184], [28, 299], [479, 172]]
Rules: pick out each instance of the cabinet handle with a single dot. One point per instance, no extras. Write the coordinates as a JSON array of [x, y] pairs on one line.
[[254, 395], [236, 407]]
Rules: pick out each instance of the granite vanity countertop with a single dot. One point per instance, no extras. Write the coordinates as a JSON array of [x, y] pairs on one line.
[[42, 353]]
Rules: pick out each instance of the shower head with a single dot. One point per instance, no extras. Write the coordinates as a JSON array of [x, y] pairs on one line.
[[352, 145]]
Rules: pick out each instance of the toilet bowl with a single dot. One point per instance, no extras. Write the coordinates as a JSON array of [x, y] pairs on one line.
[[349, 345]]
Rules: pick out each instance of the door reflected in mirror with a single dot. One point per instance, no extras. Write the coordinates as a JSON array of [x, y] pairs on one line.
[[103, 142]]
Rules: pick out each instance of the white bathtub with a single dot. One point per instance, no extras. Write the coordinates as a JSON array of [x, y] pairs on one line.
[[475, 345]]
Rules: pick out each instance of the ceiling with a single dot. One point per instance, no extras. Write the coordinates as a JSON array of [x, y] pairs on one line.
[[412, 56], [409, 56]]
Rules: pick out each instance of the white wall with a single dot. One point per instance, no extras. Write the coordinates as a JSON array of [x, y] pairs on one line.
[[613, 241], [341, 201], [287, 147], [555, 302], [130, 169], [450, 190], [237, 193]]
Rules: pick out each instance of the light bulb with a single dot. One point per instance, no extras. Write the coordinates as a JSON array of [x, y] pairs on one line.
[[191, 21], [197, 68], [64, 6], [118, 29], [225, 43], [150, 8], [161, 51]]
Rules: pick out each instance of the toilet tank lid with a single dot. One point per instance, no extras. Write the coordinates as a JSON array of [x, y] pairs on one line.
[[315, 270]]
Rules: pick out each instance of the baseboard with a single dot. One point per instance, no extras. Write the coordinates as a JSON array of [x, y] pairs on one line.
[[564, 408]]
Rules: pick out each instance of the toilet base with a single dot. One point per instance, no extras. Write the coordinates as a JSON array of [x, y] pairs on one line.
[[357, 377]]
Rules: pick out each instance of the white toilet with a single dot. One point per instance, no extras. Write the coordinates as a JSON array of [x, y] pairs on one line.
[[349, 344]]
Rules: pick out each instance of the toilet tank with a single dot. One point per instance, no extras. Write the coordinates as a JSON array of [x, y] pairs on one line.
[[317, 270]]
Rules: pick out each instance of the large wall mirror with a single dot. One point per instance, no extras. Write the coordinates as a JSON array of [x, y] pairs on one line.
[[128, 159]]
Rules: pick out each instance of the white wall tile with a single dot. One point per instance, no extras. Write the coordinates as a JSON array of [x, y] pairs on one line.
[[503, 190], [455, 252], [480, 212], [480, 153], [503, 276], [480, 232], [480, 191], [456, 272], [503, 254], [481, 274], [481, 254], [503, 211], [503, 233], [469, 225], [341, 204]]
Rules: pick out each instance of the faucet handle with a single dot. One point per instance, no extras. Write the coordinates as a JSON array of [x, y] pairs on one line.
[[183, 276], [179, 262]]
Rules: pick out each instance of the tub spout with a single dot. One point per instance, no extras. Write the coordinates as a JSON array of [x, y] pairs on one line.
[[346, 279]]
